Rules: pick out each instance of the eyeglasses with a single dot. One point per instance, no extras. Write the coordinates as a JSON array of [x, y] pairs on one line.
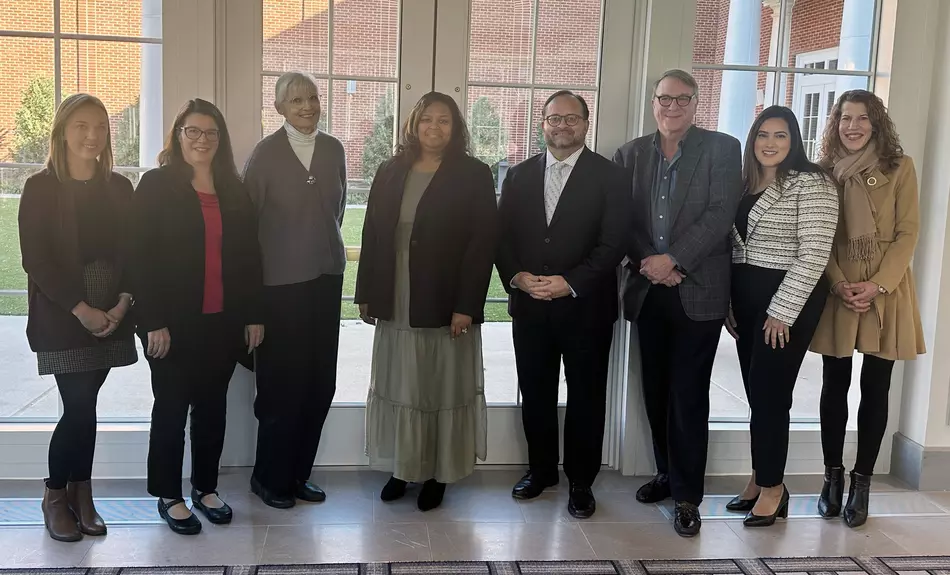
[[314, 101], [193, 133], [681, 101], [554, 120]]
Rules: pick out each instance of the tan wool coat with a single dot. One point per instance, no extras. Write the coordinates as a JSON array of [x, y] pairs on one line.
[[892, 328]]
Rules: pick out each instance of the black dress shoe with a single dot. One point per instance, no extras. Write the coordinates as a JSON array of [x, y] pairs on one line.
[[856, 511], [393, 490], [753, 520], [431, 495], [216, 515], [581, 503], [686, 520], [189, 526], [832, 493], [656, 490], [270, 498], [738, 504], [311, 492], [532, 485]]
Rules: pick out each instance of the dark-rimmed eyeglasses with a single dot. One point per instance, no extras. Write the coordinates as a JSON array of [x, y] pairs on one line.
[[194, 133], [681, 101], [554, 120]]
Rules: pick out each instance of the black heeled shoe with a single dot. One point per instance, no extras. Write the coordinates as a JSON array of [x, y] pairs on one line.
[[216, 515], [738, 504], [832, 493], [753, 520], [431, 495], [393, 490], [188, 526], [859, 496]]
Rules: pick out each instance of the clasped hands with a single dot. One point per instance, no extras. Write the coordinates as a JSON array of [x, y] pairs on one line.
[[857, 296], [544, 288], [660, 269], [102, 323]]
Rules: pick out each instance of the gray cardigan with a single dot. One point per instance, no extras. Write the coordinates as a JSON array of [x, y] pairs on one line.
[[299, 212]]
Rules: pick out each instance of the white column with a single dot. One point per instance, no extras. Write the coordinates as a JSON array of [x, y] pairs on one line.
[[781, 32], [737, 98], [854, 45], [151, 127]]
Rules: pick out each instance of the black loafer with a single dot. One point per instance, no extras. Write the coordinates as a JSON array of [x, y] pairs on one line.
[[581, 503], [655, 490], [687, 521], [431, 495], [308, 491], [216, 515], [270, 498], [393, 490], [738, 504], [532, 485], [189, 526]]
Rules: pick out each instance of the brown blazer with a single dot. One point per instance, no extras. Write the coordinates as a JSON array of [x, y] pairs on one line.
[[452, 246], [891, 329]]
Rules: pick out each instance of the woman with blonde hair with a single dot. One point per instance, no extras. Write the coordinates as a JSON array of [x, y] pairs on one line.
[[873, 308], [72, 223]]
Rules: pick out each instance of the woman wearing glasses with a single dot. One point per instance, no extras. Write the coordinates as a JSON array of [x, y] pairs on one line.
[[426, 262], [196, 269]]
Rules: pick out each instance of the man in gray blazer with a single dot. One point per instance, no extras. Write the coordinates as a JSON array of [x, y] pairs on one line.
[[687, 183]]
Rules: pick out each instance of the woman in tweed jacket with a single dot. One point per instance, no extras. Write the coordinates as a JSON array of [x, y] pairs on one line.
[[782, 239]]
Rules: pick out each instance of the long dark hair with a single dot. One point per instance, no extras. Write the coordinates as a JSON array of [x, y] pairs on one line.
[[883, 132], [796, 160], [409, 149], [222, 166]]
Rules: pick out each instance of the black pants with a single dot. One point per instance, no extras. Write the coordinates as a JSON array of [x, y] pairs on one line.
[[872, 412], [296, 378], [73, 444], [769, 375], [195, 374], [539, 348], [677, 356]]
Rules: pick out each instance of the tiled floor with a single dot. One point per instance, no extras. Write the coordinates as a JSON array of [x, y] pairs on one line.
[[480, 520]]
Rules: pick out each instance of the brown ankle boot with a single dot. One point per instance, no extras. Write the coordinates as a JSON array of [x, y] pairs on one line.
[[79, 494], [60, 521]]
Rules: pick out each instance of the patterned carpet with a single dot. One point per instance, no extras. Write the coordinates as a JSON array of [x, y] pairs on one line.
[[763, 566]]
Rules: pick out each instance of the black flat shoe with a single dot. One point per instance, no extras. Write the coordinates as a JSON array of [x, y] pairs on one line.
[[393, 490], [832, 493], [431, 495], [216, 515], [532, 485], [741, 505], [189, 526], [581, 503], [753, 520], [656, 490], [270, 498], [687, 520], [311, 492]]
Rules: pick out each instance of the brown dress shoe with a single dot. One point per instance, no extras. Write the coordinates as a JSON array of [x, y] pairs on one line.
[[60, 521], [79, 495]]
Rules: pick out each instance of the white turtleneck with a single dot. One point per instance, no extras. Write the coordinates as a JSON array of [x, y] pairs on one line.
[[301, 143]]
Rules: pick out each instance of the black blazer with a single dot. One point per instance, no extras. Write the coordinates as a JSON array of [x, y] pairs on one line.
[[49, 243], [168, 244], [452, 248], [584, 243]]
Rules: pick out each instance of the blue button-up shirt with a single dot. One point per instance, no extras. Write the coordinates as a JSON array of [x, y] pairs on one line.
[[664, 184]]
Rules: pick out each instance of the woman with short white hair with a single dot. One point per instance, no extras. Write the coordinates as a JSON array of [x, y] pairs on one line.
[[297, 180]]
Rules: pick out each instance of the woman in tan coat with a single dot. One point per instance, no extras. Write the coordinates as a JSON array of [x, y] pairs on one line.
[[873, 308]]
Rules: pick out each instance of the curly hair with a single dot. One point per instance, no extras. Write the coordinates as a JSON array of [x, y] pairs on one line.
[[883, 132], [409, 147]]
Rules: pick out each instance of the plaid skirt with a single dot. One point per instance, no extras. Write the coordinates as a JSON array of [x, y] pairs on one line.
[[109, 352]]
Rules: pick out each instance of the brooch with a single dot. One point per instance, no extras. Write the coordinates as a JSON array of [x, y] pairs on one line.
[[872, 181], [311, 180]]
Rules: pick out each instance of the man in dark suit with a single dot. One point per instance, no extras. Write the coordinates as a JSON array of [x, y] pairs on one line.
[[687, 183], [564, 219]]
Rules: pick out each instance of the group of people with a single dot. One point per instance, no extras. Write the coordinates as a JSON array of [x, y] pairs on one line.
[[201, 263]]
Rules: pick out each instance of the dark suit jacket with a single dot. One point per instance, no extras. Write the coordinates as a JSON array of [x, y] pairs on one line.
[[708, 189], [49, 242], [584, 243], [452, 248], [168, 245]]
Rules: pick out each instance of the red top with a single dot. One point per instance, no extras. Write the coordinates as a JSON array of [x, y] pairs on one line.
[[214, 286]]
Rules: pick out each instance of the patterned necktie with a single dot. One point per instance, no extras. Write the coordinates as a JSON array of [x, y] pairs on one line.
[[552, 192]]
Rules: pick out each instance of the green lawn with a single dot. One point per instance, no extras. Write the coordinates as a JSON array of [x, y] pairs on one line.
[[12, 276]]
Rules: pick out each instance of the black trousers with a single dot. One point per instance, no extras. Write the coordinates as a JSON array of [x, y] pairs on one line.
[[677, 355], [195, 374], [73, 444], [539, 349], [296, 378], [872, 412], [769, 375]]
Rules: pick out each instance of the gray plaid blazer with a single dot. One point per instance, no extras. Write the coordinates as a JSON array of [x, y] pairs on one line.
[[708, 189]]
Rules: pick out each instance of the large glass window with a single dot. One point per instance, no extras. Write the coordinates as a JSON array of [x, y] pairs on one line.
[[109, 48], [750, 54]]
